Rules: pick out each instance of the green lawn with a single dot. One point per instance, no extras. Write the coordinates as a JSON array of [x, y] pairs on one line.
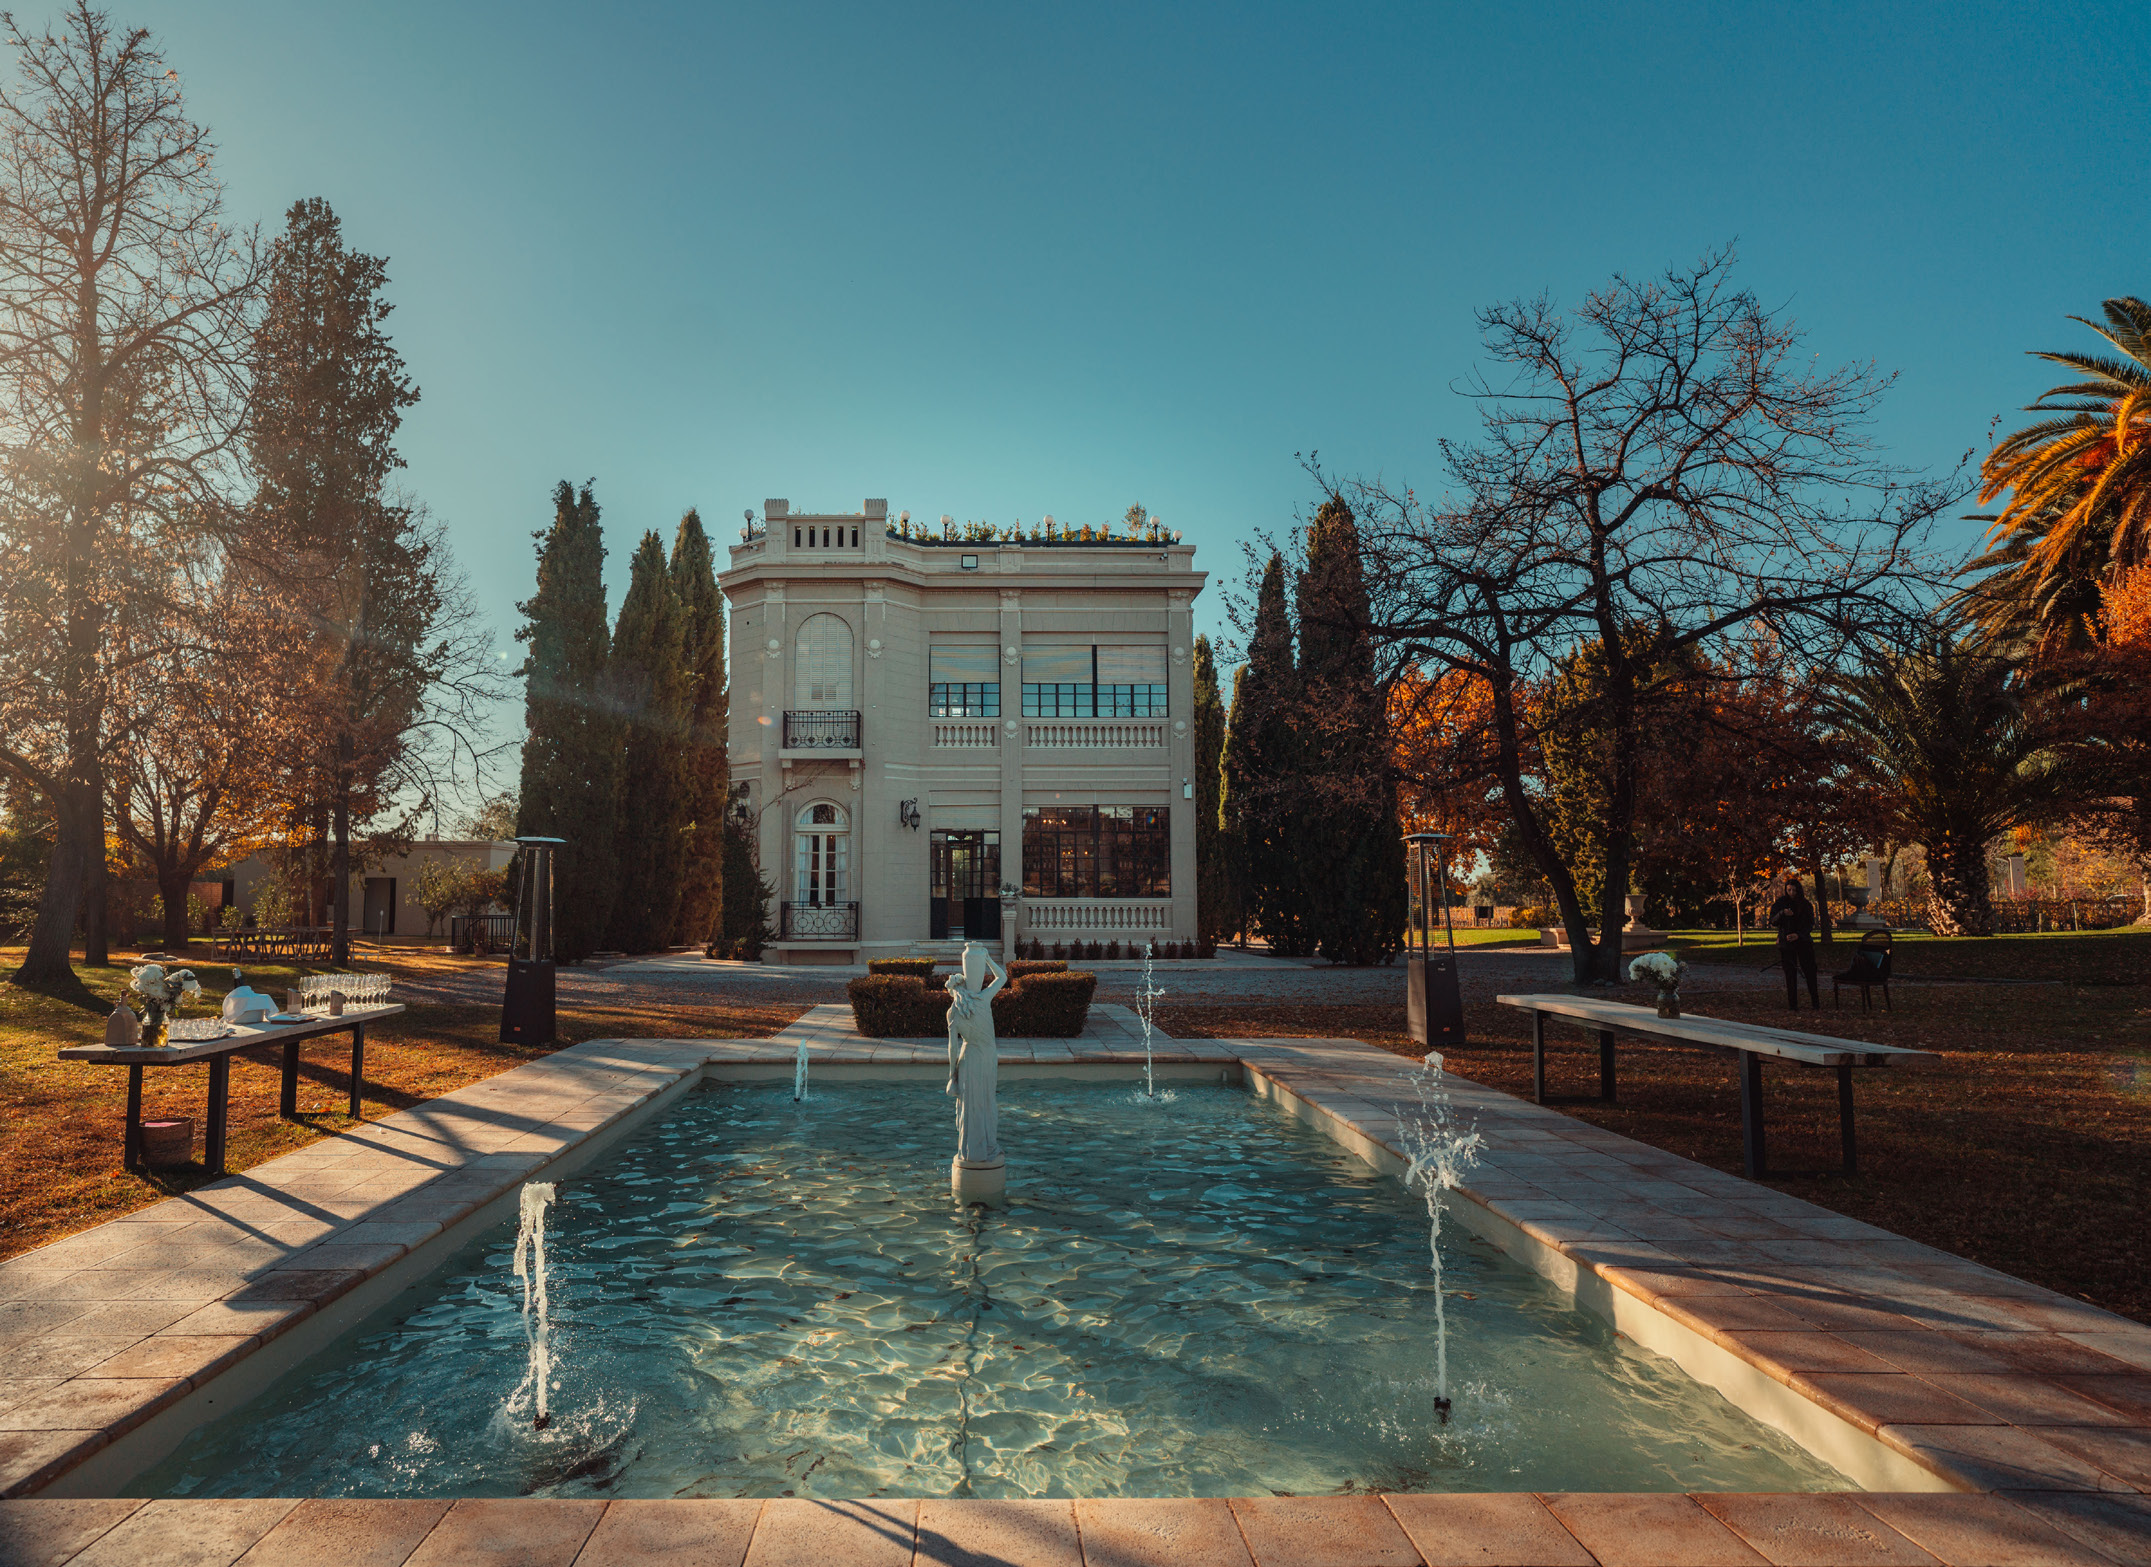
[[2096, 957]]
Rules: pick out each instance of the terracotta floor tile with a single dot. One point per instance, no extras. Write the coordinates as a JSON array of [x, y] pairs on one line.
[[796, 1533], [2133, 1350], [185, 1532], [1716, 1314], [38, 1533], [2119, 1526], [1496, 1529], [1924, 1352], [1814, 1531], [1899, 1399], [1986, 1530], [314, 1284], [197, 1356], [1997, 1458], [262, 1319], [1144, 1532], [2047, 1352], [124, 1319], [1852, 1316], [2129, 1396], [990, 1533], [525, 1532], [1322, 1531], [2027, 1400], [1649, 1531], [685, 1533], [2121, 1451], [1809, 1352], [348, 1533], [94, 1404], [55, 1356]]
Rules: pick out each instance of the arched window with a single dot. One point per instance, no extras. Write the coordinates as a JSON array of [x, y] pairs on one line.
[[822, 662], [821, 856]]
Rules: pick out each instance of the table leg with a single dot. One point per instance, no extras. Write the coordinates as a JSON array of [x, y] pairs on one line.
[[1605, 1065], [131, 1138], [220, 1093], [1751, 1115], [288, 1105], [358, 1065], [1538, 1057], [1844, 1120]]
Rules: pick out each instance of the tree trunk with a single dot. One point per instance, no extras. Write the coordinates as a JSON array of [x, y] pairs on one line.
[[52, 937], [172, 888], [1961, 904], [1822, 898], [340, 860], [97, 898]]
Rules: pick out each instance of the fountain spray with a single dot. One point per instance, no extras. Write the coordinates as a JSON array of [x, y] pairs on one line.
[[799, 1074], [1145, 1003], [1440, 1152], [530, 1268]]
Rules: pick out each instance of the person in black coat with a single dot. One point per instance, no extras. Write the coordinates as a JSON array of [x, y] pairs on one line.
[[1794, 918]]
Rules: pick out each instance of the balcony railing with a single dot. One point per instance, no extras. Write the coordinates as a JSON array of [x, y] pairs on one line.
[[821, 921], [1093, 734], [821, 731]]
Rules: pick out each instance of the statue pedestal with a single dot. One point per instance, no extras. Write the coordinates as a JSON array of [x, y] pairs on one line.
[[986, 1183]]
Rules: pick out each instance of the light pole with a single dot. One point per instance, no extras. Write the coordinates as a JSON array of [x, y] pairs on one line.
[[1434, 1004]]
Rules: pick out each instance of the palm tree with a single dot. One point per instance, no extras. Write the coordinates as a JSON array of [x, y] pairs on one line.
[[2080, 492], [1962, 741]]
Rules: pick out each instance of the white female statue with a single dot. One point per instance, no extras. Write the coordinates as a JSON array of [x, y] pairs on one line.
[[978, 1174]]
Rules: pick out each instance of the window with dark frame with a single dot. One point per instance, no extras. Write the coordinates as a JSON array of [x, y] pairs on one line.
[[1106, 681], [1097, 851]]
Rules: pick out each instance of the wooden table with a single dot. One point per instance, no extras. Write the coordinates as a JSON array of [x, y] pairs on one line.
[[218, 1053], [1749, 1043]]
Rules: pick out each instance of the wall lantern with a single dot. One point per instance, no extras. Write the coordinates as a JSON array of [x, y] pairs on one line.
[[907, 812], [1187, 789]]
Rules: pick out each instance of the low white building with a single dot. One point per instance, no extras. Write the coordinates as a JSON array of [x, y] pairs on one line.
[[382, 898], [939, 739]]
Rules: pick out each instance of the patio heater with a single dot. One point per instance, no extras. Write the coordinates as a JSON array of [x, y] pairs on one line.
[[1434, 1006], [526, 1010]]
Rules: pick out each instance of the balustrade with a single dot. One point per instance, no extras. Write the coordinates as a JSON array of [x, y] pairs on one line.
[[958, 736], [1098, 734], [1058, 915], [821, 731]]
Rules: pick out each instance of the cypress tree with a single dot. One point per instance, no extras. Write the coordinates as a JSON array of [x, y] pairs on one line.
[[1351, 849], [571, 756], [1216, 893], [706, 773], [649, 681], [1263, 785]]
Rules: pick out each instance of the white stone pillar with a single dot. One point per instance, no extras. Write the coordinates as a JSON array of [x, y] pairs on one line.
[[1180, 701], [1012, 760]]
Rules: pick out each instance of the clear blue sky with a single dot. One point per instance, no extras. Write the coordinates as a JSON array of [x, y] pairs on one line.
[[999, 261]]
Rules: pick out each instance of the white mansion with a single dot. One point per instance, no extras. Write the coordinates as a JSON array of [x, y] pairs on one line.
[[982, 739]]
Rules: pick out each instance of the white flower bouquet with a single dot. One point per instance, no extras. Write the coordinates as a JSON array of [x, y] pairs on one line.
[[1663, 970], [162, 991]]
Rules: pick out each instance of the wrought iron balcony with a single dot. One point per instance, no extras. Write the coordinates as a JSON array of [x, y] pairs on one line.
[[821, 731], [820, 921]]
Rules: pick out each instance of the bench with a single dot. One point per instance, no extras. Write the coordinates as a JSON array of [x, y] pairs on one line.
[[1749, 1043], [218, 1053]]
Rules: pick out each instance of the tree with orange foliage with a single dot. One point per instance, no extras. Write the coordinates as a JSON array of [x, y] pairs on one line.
[[2109, 750]]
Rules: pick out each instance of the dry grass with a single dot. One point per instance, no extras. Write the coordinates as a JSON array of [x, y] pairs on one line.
[[2026, 1145], [60, 1148]]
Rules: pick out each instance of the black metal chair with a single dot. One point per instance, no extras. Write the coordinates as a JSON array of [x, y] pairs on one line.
[[1870, 968]]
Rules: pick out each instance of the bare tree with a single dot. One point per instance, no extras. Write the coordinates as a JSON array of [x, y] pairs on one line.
[[122, 356], [1657, 470]]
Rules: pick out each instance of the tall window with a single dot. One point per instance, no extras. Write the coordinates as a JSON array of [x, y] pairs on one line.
[[1097, 851], [821, 856], [963, 681], [822, 662], [1110, 681]]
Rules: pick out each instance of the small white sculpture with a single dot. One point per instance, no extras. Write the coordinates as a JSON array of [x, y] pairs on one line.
[[978, 1173]]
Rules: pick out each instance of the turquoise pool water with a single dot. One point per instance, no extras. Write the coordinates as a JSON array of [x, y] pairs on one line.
[[1200, 1297]]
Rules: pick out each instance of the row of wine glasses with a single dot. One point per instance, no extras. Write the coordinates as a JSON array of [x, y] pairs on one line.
[[359, 990]]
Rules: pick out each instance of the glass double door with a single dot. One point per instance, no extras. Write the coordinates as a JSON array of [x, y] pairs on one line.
[[966, 886]]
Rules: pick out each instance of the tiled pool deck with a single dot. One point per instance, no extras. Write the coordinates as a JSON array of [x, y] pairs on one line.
[[1990, 1421]]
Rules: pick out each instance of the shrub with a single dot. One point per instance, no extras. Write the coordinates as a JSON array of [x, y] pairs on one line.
[[1059, 951], [1530, 917], [1092, 952], [1206, 949], [1036, 951], [923, 968], [1023, 966], [1112, 950], [1048, 1005]]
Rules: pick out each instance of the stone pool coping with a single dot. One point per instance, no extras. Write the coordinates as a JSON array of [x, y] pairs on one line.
[[1908, 1368]]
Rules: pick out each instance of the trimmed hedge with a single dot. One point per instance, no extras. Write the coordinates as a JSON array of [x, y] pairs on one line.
[[922, 968], [1022, 966], [1051, 1005]]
